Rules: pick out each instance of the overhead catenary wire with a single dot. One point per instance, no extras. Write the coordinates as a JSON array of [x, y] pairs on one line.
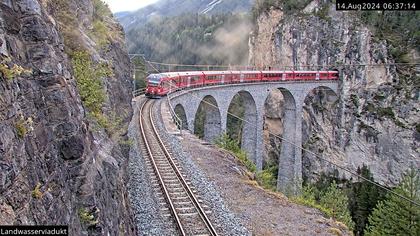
[[284, 66], [324, 159], [309, 151]]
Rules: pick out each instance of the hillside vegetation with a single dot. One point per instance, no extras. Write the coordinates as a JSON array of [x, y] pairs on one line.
[[171, 8], [193, 39]]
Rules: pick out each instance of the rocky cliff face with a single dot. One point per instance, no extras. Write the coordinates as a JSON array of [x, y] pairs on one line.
[[375, 119], [61, 160]]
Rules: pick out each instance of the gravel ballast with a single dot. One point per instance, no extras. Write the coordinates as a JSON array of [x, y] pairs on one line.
[[224, 221], [237, 205], [142, 196]]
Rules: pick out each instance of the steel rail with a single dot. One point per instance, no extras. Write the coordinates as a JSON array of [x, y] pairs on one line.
[[209, 227], [190, 193], [172, 207]]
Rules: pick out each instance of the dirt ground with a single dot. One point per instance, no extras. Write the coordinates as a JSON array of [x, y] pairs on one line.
[[262, 212]]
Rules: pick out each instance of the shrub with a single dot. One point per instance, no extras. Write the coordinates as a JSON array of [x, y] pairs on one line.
[[308, 199], [87, 217], [323, 12], [100, 33], [268, 178], [355, 100], [69, 25], [225, 142], [88, 78], [10, 71], [101, 9], [288, 6], [335, 231], [20, 127], [36, 193], [333, 202], [386, 112]]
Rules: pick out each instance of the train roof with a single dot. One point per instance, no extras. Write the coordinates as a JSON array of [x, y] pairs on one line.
[[194, 73]]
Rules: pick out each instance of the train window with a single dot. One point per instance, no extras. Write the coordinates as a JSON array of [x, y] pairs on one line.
[[249, 76], [153, 79], [195, 78]]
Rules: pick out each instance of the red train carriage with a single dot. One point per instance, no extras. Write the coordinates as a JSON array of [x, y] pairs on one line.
[[159, 85]]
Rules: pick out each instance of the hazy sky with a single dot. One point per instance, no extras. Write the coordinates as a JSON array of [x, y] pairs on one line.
[[127, 5]]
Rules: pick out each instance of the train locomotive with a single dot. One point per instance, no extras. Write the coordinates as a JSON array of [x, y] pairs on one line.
[[159, 85]]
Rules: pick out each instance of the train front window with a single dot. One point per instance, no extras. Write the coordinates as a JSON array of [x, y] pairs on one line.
[[153, 80]]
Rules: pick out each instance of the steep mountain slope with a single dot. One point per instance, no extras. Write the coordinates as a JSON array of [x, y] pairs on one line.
[[64, 106], [375, 121], [193, 39], [178, 7]]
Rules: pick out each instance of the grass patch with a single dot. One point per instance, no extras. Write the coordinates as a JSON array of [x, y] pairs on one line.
[[225, 142], [111, 123]]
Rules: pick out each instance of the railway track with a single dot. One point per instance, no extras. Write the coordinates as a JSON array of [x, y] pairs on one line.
[[177, 199]]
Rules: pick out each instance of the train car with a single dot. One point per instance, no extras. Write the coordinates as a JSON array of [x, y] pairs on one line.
[[159, 85], [154, 86]]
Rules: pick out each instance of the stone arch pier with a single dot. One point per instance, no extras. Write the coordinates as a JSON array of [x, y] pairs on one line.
[[217, 100]]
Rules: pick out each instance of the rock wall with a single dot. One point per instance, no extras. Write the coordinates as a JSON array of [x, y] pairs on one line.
[[375, 119], [57, 165]]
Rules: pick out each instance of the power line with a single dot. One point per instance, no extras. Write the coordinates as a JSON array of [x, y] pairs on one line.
[[319, 157], [309, 151], [324, 159], [282, 66]]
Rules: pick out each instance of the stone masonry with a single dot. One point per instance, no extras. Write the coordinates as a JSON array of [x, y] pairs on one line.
[[254, 96]]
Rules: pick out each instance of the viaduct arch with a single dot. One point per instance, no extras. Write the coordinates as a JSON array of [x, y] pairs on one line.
[[254, 96]]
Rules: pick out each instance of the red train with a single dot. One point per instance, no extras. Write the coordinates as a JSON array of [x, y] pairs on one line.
[[159, 85]]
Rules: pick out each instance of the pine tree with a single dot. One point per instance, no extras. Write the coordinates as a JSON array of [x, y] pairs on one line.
[[397, 216], [364, 197], [335, 200]]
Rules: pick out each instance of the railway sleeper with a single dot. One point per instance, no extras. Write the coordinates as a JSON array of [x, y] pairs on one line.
[[186, 209], [182, 203], [176, 189], [180, 197]]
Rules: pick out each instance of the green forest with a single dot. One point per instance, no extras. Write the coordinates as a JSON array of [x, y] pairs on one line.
[[193, 39], [222, 39]]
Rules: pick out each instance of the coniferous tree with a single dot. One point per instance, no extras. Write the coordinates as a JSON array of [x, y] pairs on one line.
[[363, 198], [336, 200], [395, 215]]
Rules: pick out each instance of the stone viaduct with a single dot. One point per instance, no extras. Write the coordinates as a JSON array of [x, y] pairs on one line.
[[254, 96]]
